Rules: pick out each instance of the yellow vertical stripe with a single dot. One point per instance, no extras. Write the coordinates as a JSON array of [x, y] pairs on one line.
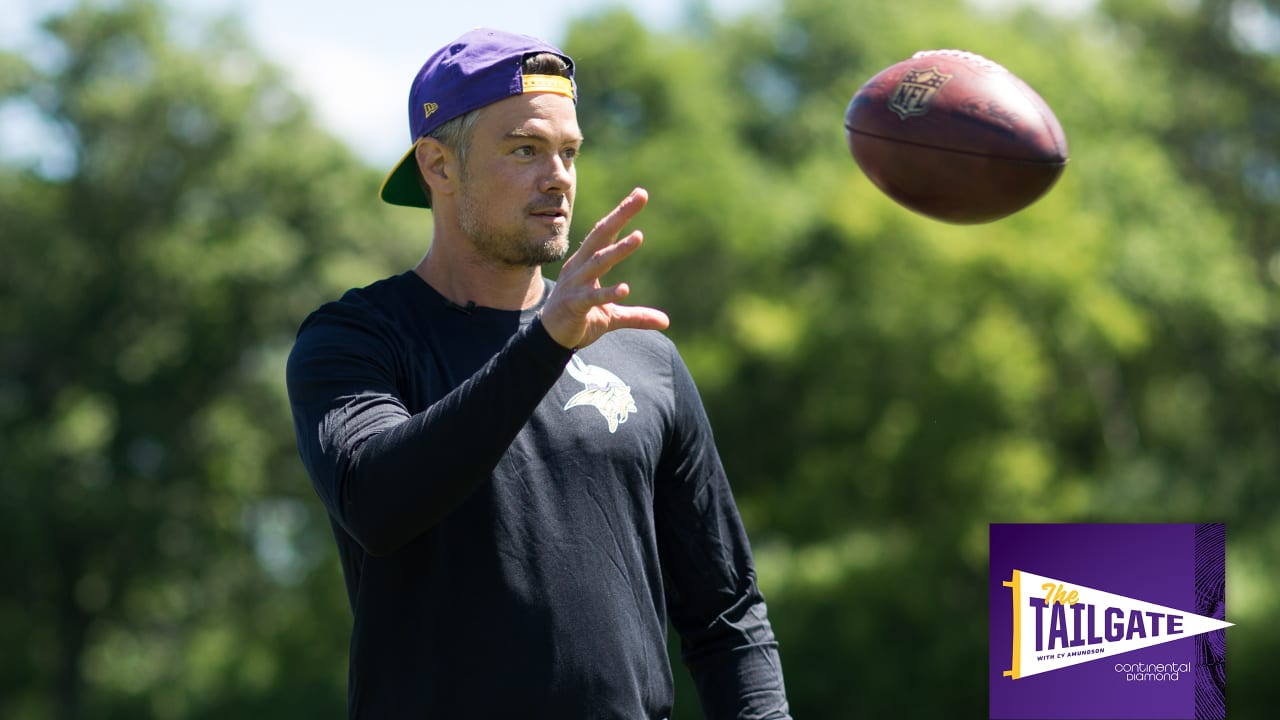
[[1016, 585]]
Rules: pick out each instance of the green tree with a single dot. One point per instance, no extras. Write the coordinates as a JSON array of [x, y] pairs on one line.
[[884, 386], [164, 557], [1215, 398]]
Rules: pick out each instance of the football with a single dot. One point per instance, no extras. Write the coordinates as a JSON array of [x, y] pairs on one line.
[[955, 136]]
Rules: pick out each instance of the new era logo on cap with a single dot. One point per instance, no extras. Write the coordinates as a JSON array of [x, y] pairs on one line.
[[429, 109]]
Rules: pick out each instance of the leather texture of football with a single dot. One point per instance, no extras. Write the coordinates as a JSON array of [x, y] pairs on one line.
[[955, 136]]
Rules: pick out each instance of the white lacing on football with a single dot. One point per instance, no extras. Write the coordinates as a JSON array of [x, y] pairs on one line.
[[964, 55]]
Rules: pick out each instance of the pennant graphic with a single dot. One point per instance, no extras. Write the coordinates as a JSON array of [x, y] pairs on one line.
[[1057, 624], [1148, 600]]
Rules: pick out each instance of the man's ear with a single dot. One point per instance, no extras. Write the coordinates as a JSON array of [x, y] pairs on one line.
[[438, 166]]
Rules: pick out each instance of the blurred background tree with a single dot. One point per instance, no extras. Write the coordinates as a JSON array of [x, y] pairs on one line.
[[883, 386], [163, 555]]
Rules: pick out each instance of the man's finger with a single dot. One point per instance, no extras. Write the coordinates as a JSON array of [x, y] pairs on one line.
[[586, 298], [602, 261], [638, 318], [610, 225]]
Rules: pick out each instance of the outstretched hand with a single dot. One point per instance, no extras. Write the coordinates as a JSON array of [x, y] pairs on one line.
[[579, 309]]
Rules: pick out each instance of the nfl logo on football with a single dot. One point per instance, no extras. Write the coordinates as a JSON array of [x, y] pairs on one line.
[[915, 92]]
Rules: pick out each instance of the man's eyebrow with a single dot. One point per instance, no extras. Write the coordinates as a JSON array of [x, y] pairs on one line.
[[523, 134]]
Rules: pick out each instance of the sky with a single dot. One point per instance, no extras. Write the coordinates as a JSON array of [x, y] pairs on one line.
[[354, 61], [356, 65]]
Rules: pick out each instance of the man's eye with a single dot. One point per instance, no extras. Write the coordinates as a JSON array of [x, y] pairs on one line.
[[571, 153], [525, 151]]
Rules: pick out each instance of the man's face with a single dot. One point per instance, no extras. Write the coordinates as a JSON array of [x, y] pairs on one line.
[[515, 199]]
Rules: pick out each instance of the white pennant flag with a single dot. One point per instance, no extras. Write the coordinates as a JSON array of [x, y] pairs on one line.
[[1057, 624]]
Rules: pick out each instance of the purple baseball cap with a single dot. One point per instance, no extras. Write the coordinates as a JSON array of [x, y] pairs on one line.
[[479, 68]]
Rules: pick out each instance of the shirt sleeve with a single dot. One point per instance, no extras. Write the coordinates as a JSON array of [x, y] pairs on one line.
[[716, 607], [386, 475]]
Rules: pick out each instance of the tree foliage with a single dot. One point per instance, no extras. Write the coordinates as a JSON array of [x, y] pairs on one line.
[[883, 386], [161, 543]]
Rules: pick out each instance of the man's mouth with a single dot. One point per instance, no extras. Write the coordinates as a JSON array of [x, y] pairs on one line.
[[553, 215]]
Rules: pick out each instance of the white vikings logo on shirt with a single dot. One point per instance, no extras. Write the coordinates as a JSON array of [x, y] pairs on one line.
[[604, 391]]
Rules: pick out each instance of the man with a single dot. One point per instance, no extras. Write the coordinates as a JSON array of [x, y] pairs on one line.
[[519, 474]]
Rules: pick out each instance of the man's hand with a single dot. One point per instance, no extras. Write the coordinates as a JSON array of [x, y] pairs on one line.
[[579, 310]]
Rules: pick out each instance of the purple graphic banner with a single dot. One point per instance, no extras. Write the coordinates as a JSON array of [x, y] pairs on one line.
[[1181, 566]]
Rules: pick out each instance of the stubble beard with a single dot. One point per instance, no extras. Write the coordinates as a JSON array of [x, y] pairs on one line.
[[510, 245]]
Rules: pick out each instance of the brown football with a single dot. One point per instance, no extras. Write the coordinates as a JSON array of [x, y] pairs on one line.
[[954, 136]]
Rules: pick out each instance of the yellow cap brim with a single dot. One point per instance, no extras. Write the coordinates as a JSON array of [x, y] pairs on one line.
[[402, 187]]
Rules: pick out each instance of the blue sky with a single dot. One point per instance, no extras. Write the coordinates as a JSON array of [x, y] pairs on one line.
[[354, 60]]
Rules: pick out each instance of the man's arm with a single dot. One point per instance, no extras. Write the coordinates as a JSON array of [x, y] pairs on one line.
[[385, 475], [726, 639]]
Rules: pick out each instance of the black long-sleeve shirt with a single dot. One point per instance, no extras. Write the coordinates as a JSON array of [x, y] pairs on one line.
[[515, 519]]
